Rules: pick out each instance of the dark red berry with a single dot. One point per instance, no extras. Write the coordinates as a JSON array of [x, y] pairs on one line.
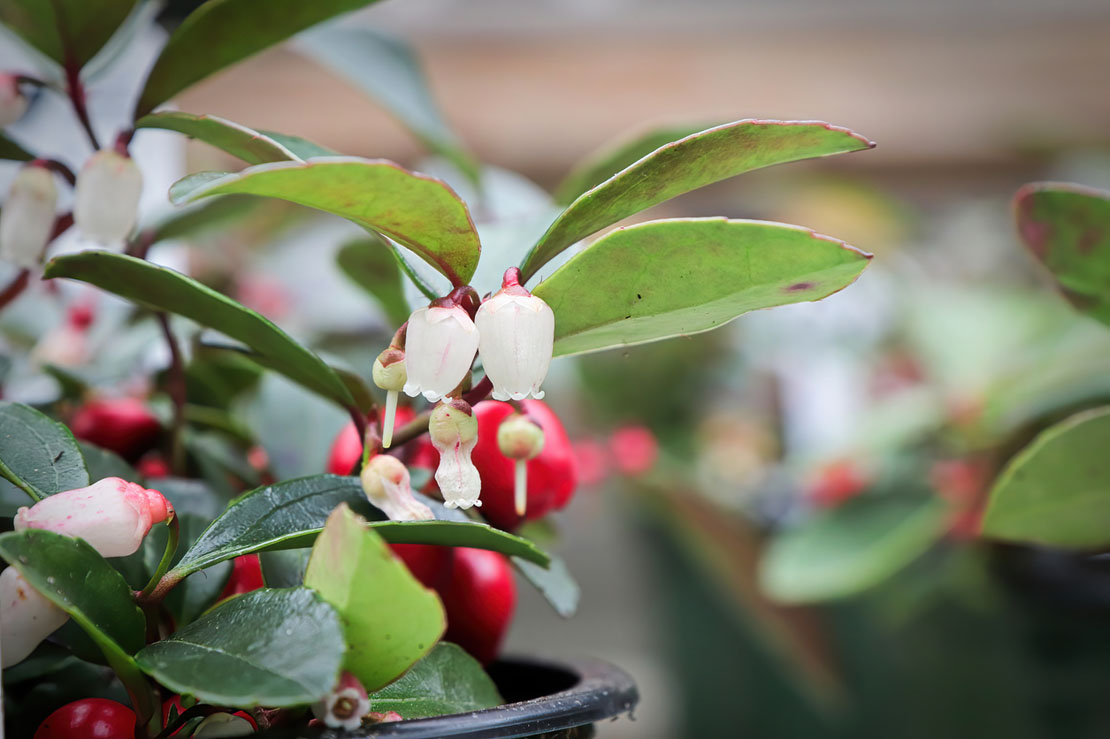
[[89, 718]]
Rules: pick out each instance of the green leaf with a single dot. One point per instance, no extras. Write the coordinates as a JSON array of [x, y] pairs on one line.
[[370, 264], [390, 620], [249, 145], [79, 581], [222, 32], [1056, 491], [159, 288], [447, 681], [388, 70], [290, 514], [187, 222], [1067, 228], [303, 148], [554, 582], [850, 549], [102, 463], [683, 276], [68, 31], [12, 151], [272, 648], [612, 158], [37, 453], [418, 211], [685, 165]]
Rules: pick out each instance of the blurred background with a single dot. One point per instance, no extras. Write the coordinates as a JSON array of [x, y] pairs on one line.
[[776, 527]]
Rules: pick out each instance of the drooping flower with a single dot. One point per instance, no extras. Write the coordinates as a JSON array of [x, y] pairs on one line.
[[346, 704], [106, 200], [517, 335], [13, 103], [520, 439], [454, 432], [390, 375], [440, 343], [26, 617], [385, 480], [27, 218], [112, 515]]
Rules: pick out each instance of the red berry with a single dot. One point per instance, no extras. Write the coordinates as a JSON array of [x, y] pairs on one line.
[[122, 425], [836, 483], [428, 563], [552, 476], [153, 465], [346, 450], [634, 449], [246, 575], [89, 718], [479, 597]]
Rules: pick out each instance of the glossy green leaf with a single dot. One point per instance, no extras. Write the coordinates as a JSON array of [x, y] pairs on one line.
[[388, 70], [160, 288], [682, 276], [850, 549], [290, 514], [370, 264], [303, 148], [1067, 228], [272, 648], [12, 151], [37, 453], [101, 463], [1056, 491], [447, 681], [554, 582], [685, 165], [389, 618], [249, 145], [612, 158], [68, 31], [222, 32], [415, 210]]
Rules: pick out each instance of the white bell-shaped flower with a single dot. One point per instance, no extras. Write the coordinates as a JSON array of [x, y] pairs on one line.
[[517, 335], [385, 480], [27, 218], [112, 515], [440, 344], [26, 617], [345, 706], [13, 103], [453, 429], [106, 201]]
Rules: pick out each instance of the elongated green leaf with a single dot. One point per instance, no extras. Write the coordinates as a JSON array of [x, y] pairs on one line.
[[554, 582], [290, 514], [370, 264], [1067, 228], [249, 145], [682, 276], [269, 647], [389, 619], [163, 289], [37, 453], [415, 210], [68, 31], [79, 581], [222, 32], [447, 681], [687, 164], [12, 151], [387, 69], [612, 158], [303, 148], [1056, 491], [850, 549]]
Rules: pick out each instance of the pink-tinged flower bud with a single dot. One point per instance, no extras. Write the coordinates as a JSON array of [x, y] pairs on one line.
[[345, 705], [27, 218], [384, 718], [106, 201], [390, 375], [520, 439], [517, 332], [112, 515], [454, 433], [26, 618], [440, 346], [13, 103], [223, 724], [385, 480]]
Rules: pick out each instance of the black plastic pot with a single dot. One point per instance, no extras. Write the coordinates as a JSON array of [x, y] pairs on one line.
[[544, 699]]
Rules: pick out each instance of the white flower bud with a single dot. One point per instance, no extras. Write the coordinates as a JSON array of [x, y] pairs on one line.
[[106, 201], [112, 515], [517, 332], [385, 480], [223, 725], [453, 429], [26, 617], [13, 103], [27, 218], [520, 439], [439, 348], [345, 705], [389, 374]]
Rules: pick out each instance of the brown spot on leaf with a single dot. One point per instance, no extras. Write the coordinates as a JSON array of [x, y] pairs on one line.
[[798, 287], [1087, 241]]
